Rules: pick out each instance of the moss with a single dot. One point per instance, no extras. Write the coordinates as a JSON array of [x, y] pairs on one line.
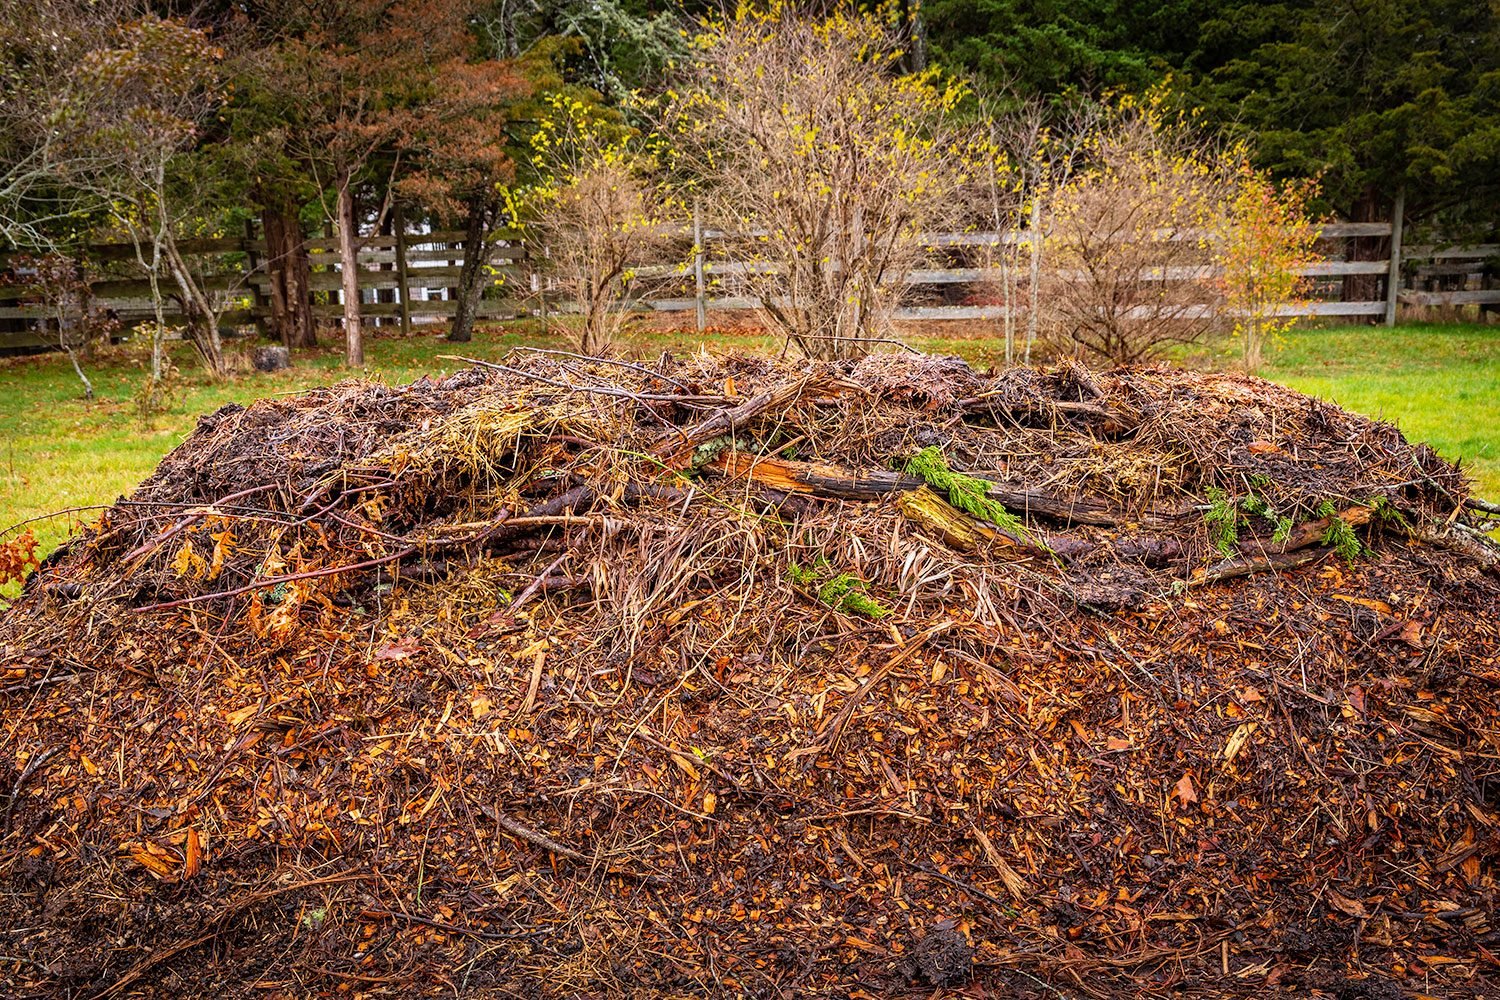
[[844, 592]]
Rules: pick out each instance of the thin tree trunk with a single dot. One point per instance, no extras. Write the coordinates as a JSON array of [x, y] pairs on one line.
[[202, 323], [354, 342], [289, 272], [478, 234], [1036, 275]]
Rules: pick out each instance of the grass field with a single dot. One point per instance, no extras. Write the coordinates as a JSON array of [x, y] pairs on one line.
[[1438, 383]]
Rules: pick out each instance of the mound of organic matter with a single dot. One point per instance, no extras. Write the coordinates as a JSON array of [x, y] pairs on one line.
[[725, 677]]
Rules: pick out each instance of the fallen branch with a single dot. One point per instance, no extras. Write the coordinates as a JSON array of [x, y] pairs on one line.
[[1113, 421], [32, 766], [1231, 568], [531, 836], [676, 448], [1258, 558], [214, 925], [413, 918]]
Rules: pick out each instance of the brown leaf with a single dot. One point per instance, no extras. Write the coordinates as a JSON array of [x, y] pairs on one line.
[[1184, 791], [397, 650]]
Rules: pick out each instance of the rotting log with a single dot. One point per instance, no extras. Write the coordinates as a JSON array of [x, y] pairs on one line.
[[1307, 533], [914, 497], [926, 509]]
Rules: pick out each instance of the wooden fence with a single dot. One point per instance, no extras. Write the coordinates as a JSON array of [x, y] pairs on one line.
[[411, 278]]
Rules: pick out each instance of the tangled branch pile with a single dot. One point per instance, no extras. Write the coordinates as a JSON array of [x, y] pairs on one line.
[[723, 677]]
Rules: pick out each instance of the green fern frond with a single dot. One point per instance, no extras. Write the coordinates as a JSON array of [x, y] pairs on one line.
[[1223, 521]]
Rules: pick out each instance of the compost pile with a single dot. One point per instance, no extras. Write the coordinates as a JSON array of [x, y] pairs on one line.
[[733, 677]]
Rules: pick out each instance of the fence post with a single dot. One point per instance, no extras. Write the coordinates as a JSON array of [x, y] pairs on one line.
[[398, 224], [701, 307], [1393, 277]]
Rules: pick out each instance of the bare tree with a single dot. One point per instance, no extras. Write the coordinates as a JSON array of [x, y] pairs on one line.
[[821, 164], [135, 111], [43, 43]]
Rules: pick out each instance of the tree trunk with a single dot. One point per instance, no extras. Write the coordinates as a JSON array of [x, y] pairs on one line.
[[1366, 287], [354, 342], [202, 322], [289, 272], [478, 235]]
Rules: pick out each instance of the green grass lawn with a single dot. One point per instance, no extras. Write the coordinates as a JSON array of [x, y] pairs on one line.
[[1438, 383]]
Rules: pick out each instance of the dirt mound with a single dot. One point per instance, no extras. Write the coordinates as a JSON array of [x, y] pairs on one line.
[[727, 677]]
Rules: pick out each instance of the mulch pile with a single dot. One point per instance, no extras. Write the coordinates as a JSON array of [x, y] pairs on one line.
[[729, 677]]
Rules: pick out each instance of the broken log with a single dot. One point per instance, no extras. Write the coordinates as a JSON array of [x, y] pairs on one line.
[[821, 479], [927, 510]]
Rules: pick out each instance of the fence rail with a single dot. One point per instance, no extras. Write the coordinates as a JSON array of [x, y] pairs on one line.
[[411, 277]]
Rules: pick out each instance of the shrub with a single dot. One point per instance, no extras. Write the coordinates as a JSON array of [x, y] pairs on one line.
[[821, 163]]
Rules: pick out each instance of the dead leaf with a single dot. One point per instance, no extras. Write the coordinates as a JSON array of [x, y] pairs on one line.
[[1411, 634], [1186, 795], [1368, 602], [397, 650]]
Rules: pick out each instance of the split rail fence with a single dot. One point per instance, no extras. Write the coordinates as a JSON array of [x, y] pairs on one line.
[[411, 278]]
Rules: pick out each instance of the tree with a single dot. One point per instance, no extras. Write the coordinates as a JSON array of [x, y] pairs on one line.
[[356, 82], [614, 47], [1269, 237], [41, 46], [132, 117], [463, 149], [1371, 96], [822, 163], [1028, 49]]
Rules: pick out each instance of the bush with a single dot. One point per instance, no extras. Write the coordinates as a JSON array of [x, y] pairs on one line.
[[597, 217], [821, 164], [1128, 241]]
